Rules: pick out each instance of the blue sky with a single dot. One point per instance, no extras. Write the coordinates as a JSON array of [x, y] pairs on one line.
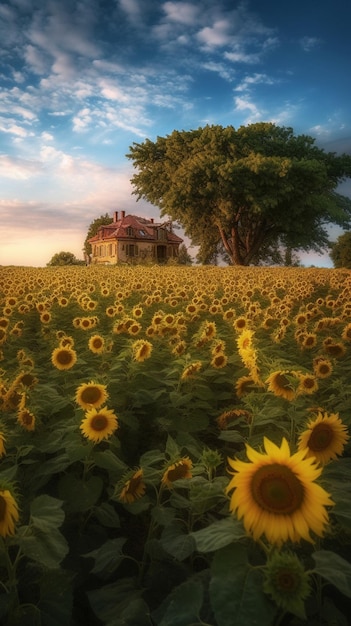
[[82, 80]]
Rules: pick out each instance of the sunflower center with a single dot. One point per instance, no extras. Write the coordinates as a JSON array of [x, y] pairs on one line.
[[134, 484], [91, 395], [179, 471], [320, 438], [64, 357], [97, 343], [286, 581], [143, 350], [99, 422], [282, 381], [2, 508], [27, 418], [275, 488]]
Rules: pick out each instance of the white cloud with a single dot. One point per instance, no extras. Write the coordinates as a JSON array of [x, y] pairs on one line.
[[221, 69], [309, 43], [45, 136], [132, 9], [36, 59], [242, 104], [254, 79], [182, 12], [113, 91], [14, 129], [18, 169], [216, 35]]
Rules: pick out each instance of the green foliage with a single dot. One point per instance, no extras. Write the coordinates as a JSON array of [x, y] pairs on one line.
[[340, 252], [64, 258], [184, 257], [92, 230], [248, 192]]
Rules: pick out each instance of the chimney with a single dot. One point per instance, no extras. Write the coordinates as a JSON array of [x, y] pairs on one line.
[[115, 216], [123, 214], [151, 220]]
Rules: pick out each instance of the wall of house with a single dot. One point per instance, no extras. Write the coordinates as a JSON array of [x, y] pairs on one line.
[[104, 252], [131, 251]]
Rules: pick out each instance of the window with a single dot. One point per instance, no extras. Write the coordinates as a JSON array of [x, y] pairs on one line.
[[129, 231], [161, 234], [132, 249]]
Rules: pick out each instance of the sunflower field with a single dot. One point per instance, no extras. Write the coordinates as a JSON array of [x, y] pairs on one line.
[[174, 446]]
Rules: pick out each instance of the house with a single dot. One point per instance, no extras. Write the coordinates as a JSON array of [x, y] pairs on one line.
[[131, 239]]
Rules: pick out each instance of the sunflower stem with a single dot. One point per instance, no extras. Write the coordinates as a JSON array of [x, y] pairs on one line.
[[12, 588]]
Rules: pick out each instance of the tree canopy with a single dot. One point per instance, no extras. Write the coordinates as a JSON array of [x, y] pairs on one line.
[[92, 230], [250, 192], [340, 252], [64, 258]]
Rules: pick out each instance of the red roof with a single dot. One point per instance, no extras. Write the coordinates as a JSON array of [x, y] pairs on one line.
[[142, 230]]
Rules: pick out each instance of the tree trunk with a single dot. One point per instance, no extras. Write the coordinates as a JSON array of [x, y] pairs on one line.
[[232, 247]]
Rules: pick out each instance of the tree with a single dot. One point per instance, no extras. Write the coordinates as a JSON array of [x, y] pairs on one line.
[[340, 252], [93, 228], [184, 257], [251, 191], [64, 258]]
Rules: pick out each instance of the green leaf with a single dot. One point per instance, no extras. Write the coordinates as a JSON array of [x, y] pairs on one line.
[[107, 515], [176, 542], [137, 612], [110, 601], [231, 435], [334, 569], [172, 448], [182, 606], [163, 515], [46, 513], [46, 548], [205, 495], [80, 495], [108, 557], [110, 462], [236, 590], [44, 471], [218, 535]]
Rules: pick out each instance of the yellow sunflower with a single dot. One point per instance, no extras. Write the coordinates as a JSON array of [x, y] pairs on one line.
[[176, 471], [324, 438], [96, 344], [141, 350], [99, 424], [27, 379], [26, 419], [134, 328], [8, 513], [308, 384], [179, 348], [275, 494], [219, 360], [244, 385], [322, 367], [334, 349], [90, 395], [240, 323], [63, 358], [234, 415], [280, 383], [191, 370], [133, 488]]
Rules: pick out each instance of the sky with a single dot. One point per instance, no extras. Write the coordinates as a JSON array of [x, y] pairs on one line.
[[80, 81]]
